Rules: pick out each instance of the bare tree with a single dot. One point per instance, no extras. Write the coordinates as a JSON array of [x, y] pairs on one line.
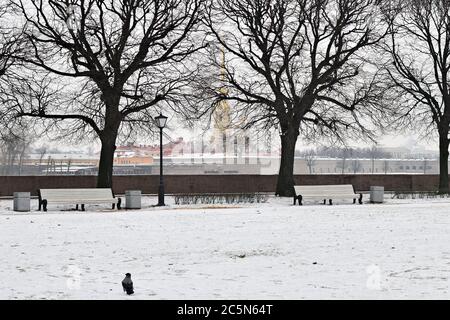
[[310, 158], [14, 145], [425, 165], [344, 154], [11, 41], [374, 154], [334, 152], [49, 165], [8, 148], [386, 166], [11, 49], [355, 165], [15, 138], [24, 148], [69, 163], [125, 60], [299, 65], [41, 151], [419, 48]]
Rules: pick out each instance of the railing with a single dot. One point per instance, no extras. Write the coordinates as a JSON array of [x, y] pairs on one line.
[[214, 198], [418, 195]]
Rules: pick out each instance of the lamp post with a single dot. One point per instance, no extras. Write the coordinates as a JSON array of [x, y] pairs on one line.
[[161, 123]]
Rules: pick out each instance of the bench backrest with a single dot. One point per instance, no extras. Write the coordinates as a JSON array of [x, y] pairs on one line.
[[335, 189], [86, 194]]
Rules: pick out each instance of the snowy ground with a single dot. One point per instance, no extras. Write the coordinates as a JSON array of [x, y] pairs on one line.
[[399, 249]]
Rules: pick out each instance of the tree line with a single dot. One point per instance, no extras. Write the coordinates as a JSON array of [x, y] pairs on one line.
[[333, 69]]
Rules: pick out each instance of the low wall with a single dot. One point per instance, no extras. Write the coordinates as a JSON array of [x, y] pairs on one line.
[[216, 183]]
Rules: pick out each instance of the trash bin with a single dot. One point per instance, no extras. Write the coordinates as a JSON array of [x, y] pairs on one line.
[[376, 194], [133, 199], [21, 201]]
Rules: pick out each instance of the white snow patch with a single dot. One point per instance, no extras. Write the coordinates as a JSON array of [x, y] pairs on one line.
[[396, 250]]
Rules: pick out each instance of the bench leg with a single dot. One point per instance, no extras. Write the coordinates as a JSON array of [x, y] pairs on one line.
[[82, 207], [330, 202], [360, 198], [76, 207], [354, 200], [300, 199], [324, 201], [295, 200], [39, 205], [44, 205], [113, 206], [119, 203]]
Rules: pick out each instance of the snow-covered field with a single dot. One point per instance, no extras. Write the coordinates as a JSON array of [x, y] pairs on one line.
[[399, 249]]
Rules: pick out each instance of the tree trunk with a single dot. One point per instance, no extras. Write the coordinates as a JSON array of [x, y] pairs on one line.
[[105, 167], [285, 184], [108, 137], [443, 162]]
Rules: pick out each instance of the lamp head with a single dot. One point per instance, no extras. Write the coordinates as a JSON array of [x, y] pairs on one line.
[[161, 121]]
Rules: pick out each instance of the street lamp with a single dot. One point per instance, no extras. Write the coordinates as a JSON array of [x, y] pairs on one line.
[[161, 123]]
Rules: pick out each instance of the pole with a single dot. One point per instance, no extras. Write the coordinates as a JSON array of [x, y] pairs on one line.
[[161, 179]]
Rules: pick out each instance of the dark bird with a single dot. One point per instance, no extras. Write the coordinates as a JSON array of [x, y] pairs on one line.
[[127, 284]]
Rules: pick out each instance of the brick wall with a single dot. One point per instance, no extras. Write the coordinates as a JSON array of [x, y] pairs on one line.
[[216, 183]]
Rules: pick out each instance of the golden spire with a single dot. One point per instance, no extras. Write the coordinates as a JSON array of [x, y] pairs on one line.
[[223, 73], [222, 111]]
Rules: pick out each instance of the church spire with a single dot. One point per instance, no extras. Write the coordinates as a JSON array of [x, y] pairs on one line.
[[222, 111], [223, 73]]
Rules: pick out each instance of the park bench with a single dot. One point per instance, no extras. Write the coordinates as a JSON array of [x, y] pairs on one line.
[[77, 197], [326, 192]]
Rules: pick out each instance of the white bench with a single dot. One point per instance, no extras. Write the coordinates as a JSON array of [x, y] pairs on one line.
[[77, 196], [326, 192]]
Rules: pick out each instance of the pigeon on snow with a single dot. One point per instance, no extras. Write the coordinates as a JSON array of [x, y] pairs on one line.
[[127, 284]]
